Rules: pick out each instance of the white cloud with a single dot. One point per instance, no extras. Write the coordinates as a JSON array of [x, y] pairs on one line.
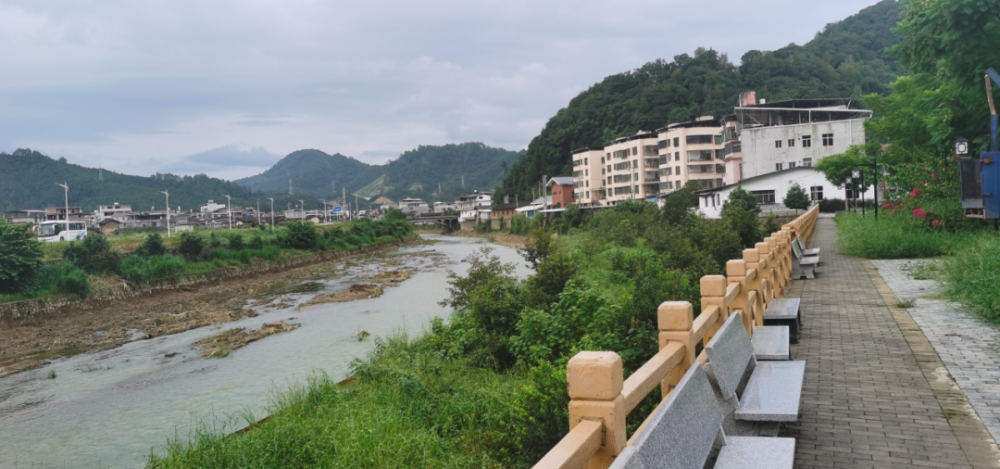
[[139, 86]]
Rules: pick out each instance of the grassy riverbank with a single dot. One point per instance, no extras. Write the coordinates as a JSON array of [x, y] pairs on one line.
[[487, 388]]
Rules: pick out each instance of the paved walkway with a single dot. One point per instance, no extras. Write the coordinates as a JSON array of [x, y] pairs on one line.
[[968, 346], [868, 401]]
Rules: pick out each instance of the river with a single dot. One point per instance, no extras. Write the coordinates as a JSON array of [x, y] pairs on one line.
[[112, 409]]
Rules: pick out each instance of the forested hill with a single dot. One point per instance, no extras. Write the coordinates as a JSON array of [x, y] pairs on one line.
[[416, 173], [28, 181], [847, 58]]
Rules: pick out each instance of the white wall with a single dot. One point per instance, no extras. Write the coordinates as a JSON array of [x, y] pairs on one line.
[[760, 155], [710, 203]]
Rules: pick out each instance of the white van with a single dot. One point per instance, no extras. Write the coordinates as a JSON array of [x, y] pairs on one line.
[[53, 231]]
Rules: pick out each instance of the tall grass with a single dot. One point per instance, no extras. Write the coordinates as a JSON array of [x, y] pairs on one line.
[[972, 274], [894, 237]]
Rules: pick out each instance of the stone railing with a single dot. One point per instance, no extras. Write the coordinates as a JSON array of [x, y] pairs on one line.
[[600, 397]]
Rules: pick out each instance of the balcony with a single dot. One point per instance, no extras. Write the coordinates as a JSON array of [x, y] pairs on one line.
[[701, 168], [653, 163]]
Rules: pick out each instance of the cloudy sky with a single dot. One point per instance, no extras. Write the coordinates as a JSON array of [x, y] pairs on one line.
[[226, 86]]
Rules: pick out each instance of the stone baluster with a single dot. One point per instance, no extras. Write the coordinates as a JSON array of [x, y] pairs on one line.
[[595, 382], [751, 257], [676, 322], [713, 293], [736, 271]]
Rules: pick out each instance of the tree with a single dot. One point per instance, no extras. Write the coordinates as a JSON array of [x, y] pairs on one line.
[[152, 246], [739, 213], [191, 246], [20, 257], [93, 255], [678, 205], [796, 198]]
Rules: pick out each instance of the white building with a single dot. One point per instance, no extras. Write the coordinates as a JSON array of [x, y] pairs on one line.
[[114, 211], [413, 207], [442, 206], [771, 189], [794, 133], [211, 208], [535, 206], [474, 205]]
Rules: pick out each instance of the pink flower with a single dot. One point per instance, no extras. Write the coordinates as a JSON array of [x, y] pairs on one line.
[[914, 192], [887, 206], [920, 213], [933, 175], [935, 223]]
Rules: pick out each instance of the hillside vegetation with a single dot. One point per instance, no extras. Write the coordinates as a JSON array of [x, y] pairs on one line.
[[846, 59], [416, 173]]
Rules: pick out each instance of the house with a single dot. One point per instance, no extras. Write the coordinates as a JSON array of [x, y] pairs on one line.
[[211, 209], [31, 217], [535, 206], [150, 219], [587, 165], [795, 132], [442, 207], [507, 210], [413, 207], [115, 210], [59, 213], [770, 189], [474, 205], [109, 226], [561, 189]]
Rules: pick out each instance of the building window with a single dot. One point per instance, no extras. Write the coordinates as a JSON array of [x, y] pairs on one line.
[[718, 139], [807, 141], [696, 139], [778, 166], [777, 144], [816, 193], [677, 141], [807, 162], [602, 160], [635, 163], [764, 197], [586, 172], [609, 180], [609, 156], [677, 156], [588, 194], [635, 151], [585, 161], [670, 171], [621, 166], [791, 143], [588, 184], [677, 171], [827, 140], [791, 165], [621, 153]]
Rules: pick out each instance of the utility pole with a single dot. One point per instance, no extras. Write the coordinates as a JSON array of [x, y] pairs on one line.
[[229, 210], [343, 197], [258, 212], [167, 193], [65, 187], [463, 182], [544, 205], [324, 210], [272, 211], [302, 205], [356, 201]]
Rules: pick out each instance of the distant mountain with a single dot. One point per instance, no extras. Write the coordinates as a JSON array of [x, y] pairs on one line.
[[416, 173], [847, 59], [28, 180]]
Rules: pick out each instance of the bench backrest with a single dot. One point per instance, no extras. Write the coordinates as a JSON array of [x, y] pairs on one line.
[[729, 354], [796, 250], [682, 431], [798, 243]]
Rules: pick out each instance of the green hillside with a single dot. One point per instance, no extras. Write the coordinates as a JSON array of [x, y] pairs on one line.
[[846, 59], [28, 180], [416, 173]]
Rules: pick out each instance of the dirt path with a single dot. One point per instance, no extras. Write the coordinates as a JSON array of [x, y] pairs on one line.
[[69, 331]]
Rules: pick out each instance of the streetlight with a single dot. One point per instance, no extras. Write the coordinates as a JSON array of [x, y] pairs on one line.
[[258, 212], [853, 195], [961, 146], [272, 211], [167, 193], [65, 187], [229, 210], [302, 206], [857, 173], [324, 210]]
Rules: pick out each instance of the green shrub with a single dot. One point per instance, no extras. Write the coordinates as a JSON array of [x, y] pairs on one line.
[[140, 270], [519, 224], [94, 255], [63, 277], [898, 236], [236, 242], [304, 236], [20, 257], [256, 242], [214, 242], [191, 246], [152, 246], [972, 274]]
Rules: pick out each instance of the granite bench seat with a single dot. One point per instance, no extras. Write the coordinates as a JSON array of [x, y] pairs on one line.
[[785, 312], [773, 392], [686, 432], [802, 247], [771, 343], [803, 265]]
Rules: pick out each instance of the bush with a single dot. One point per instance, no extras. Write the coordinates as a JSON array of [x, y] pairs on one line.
[[236, 243], [214, 242], [831, 205], [519, 224], [971, 276], [191, 246], [304, 236], [152, 246], [94, 255], [256, 242], [20, 257], [394, 214], [63, 277], [893, 237], [139, 270]]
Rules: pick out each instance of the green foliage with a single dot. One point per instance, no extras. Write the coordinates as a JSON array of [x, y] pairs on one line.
[[94, 255], [213, 241], [846, 59], [971, 275], [63, 277], [152, 246], [302, 235], [191, 246], [796, 198], [678, 205], [20, 257], [894, 236], [484, 226], [519, 224], [771, 224], [394, 214], [502, 224], [537, 247], [256, 242], [739, 213], [236, 242], [142, 270]]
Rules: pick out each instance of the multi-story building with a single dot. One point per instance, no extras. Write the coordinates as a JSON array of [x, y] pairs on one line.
[[631, 168], [732, 151], [59, 213], [474, 205], [691, 151], [561, 188], [589, 181], [116, 211], [797, 132], [31, 217]]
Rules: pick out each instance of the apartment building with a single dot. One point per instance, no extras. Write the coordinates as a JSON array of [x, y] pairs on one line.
[[631, 167], [589, 181], [797, 132], [691, 151]]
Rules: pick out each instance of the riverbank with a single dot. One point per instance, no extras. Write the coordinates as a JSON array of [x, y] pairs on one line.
[[496, 237], [30, 341]]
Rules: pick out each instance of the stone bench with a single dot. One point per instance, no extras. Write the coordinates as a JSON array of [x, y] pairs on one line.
[[803, 265], [773, 392], [770, 343], [785, 312], [686, 432], [802, 248]]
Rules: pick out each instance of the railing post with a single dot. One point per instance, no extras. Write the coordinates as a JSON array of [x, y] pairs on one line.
[[751, 257], [595, 390], [713, 293], [778, 267], [766, 272], [785, 247], [736, 271], [676, 320]]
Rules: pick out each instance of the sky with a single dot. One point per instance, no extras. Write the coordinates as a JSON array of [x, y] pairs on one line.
[[227, 87]]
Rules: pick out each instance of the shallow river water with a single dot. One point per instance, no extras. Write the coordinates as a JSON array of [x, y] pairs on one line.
[[113, 408]]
